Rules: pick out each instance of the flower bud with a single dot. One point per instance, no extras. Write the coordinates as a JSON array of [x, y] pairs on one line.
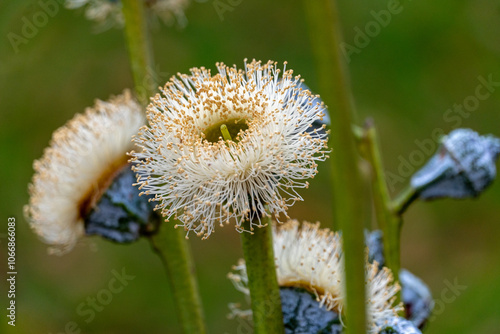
[[463, 166], [417, 298]]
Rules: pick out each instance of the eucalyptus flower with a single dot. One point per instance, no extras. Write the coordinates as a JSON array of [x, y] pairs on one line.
[[84, 157], [311, 258], [108, 13], [227, 146]]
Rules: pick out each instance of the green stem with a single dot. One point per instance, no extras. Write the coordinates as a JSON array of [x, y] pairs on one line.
[[388, 222], [404, 200], [168, 243], [171, 246], [139, 49], [323, 20], [262, 282]]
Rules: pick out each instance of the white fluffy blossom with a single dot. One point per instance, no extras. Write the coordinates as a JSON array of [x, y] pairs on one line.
[[77, 166], [108, 13], [312, 258], [202, 179]]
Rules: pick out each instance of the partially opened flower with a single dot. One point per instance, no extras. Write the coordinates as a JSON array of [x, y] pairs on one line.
[[108, 13], [76, 169], [170, 11], [311, 258], [229, 145]]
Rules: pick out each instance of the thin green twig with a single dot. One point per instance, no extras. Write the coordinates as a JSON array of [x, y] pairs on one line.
[[139, 48], [388, 221], [171, 246], [404, 200]]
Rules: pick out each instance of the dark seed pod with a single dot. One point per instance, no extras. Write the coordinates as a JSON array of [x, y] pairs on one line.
[[463, 166], [417, 298], [302, 314], [397, 325], [121, 215]]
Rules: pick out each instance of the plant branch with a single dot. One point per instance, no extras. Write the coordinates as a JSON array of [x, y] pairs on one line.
[[388, 221], [171, 246], [139, 49], [404, 200]]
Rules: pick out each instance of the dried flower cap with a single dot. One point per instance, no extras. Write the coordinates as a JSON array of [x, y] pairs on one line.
[[202, 179], [312, 258], [108, 13], [463, 167], [77, 166]]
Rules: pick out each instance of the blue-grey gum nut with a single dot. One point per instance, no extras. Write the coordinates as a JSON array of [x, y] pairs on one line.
[[121, 215], [302, 314], [397, 325], [375, 245], [417, 298], [463, 167]]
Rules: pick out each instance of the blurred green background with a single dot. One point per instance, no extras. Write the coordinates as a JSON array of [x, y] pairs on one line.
[[427, 59]]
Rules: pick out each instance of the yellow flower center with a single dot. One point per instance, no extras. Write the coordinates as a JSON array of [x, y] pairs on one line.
[[233, 127]]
